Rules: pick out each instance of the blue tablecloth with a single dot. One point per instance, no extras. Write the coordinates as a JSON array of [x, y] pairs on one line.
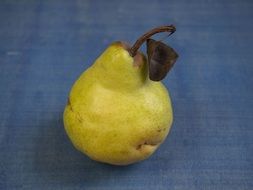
[[46, 45]]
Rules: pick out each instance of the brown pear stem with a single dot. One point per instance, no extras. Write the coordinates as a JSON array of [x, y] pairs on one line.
[[133, 50]]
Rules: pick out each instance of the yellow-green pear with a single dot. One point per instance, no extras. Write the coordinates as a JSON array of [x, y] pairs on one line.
[[115, 114]]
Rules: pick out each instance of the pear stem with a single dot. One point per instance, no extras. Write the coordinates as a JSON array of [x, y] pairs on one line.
[[133, 50]]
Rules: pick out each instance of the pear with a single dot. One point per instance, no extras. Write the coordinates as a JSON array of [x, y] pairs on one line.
[[115, 114]]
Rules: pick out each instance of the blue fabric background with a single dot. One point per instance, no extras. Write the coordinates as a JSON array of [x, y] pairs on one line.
[[46, 45]]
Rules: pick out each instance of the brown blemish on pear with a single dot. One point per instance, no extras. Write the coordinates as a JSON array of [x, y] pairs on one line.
[[79, 117], [69, 104], [139, 60], [121, 44], [147, 145]]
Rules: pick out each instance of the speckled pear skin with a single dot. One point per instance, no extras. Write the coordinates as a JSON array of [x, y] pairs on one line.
[[115, 114]]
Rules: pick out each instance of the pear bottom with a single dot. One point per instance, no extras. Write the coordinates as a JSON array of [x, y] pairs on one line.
[[118, 128]]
